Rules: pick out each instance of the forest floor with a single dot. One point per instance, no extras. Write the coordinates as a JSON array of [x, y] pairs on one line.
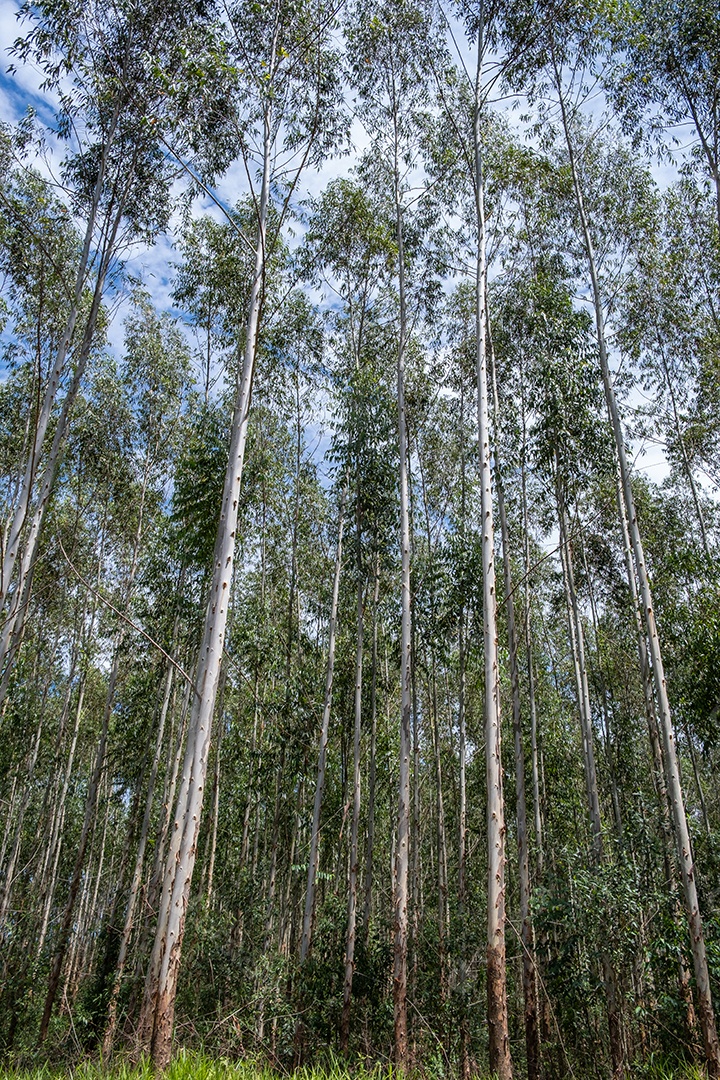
[[194, 1066]]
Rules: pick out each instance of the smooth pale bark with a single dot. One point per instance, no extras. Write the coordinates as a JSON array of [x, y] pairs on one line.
[[314, 857], [372, 771], [646, 679], [440, 836], [401, 874], [172, 771], [534, 747], [674, 786], [354, 828], [416, 894], [158, 1011], [271, 883], [465, 1063], [251, 797], [497, 1013], [443, 911], [462, 733], [534, 734], [285, 927], [464, 1040], [206, 883], [527, 937]]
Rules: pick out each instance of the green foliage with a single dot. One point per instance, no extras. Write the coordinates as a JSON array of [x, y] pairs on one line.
[[190, 105], [197, 494]]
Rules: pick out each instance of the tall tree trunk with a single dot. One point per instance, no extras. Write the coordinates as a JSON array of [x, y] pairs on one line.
[[400, 948], [577, 645], [674, 787], [355, 823], [499, 1040], [314, 857], [527, 937], [534, 740], [606, 702], [464, 1048], [415, 890], [372, 771], [158, 1010]]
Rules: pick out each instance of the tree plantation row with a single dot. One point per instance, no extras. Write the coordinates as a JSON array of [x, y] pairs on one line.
[[359, 691]]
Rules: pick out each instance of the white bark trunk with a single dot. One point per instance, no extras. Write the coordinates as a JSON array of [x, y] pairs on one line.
[[400, 949], [500, 1062], [314, 857], [159, 1003], [354, 829], [674, 787]]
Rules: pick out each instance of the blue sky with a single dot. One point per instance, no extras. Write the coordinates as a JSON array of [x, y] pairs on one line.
[[154, 265]]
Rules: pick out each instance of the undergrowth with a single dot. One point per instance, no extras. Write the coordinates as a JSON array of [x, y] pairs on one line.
[[198, 1066]]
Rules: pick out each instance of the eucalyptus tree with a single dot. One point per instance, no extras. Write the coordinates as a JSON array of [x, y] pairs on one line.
[[665, 77], [210, 285], [668, 325], [481, 28], [532, 1044], [350, 246], [38, 249], [156, 374], [561, 434], [388, 49], [684, 851], [104, 67], [282, 122], [155, 378], [368, 457], [461, 556], [568, 40], [496, 971]]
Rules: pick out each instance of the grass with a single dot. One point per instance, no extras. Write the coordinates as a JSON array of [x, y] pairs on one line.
[[197, 1066]]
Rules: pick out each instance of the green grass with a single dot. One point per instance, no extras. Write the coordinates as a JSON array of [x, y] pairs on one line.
[[198, 1066]]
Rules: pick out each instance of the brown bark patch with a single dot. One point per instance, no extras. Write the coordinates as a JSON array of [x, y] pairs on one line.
[[499, 1049]]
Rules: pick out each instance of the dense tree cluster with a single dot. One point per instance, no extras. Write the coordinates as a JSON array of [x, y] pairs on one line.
[[357, 691]]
